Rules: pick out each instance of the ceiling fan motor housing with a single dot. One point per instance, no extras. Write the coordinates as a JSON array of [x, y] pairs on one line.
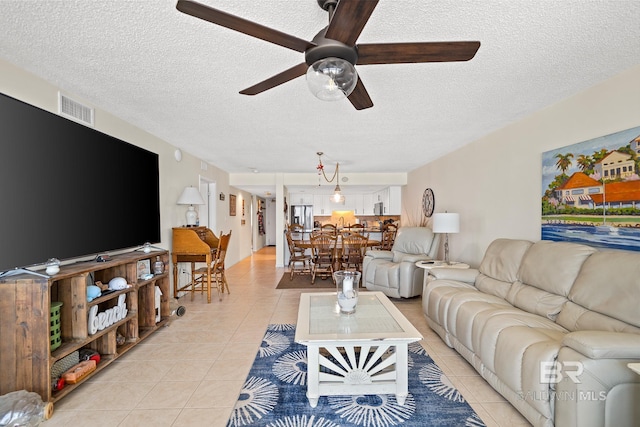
[[328, 48], [326, 4]]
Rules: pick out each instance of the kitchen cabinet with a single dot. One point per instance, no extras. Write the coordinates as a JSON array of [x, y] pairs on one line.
[[358, 203], [395, 201], [321, 205], [361, 204], [367, 204], [391, 198], [382, 196], [349, 203], [301, 199]]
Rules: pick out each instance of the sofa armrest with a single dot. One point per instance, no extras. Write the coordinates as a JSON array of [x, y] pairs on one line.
[[603, 344], [379, 254], [466, 275], [413, 258]]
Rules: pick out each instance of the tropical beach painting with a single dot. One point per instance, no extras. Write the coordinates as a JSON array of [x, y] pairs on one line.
[[591, 192]]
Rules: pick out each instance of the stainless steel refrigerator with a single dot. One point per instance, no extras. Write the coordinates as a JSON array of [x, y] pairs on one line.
[[303, 215]]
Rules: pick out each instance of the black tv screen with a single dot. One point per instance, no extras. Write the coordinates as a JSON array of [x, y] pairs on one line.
[[69, 191]]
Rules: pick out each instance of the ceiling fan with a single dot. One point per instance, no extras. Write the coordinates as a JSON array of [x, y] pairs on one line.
[[332, 54]]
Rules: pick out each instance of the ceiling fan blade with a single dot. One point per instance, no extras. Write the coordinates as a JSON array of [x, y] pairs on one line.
[[278, 79], [359, 98], [349, 19], [402, 53], [242, 25]]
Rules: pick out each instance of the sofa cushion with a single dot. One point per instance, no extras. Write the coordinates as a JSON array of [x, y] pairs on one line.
[[544, 291], [412, 240], [463, 311], [608, 284], [575, 317], [534, 300], [604, 345], [519, 353], [386, 274], [500, 264], [561, 261], [436, 298], [488, 327]]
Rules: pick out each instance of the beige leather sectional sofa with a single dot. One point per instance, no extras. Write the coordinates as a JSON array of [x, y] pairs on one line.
[[550, 325]]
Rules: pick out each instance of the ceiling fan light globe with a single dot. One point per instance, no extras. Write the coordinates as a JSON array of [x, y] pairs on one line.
[[332, 79]]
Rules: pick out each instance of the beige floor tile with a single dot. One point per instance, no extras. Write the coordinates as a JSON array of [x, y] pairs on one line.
[[464, 391], [168, 394], [440, 348], [248, 335], [505, 415], [481, 390], [208, 417], [141, 371], [186, 335], [151, 417], [95, 418], [240, 350], [484, 415], [211, 394], [229, 369], [105, 395], [188, 370], [459, 365]]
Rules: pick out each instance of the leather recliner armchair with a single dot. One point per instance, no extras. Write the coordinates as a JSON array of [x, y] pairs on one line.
[[394, 272]]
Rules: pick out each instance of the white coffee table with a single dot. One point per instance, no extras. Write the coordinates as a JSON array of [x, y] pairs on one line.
[[361, 353]]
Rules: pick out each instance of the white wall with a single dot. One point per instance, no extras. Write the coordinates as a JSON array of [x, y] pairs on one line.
[[174, 175], [495, 182]]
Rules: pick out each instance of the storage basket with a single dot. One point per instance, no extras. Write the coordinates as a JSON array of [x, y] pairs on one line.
[[54, 317], [64, 364]]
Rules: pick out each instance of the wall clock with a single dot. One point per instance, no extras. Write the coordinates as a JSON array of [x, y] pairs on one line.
[[428, 202]]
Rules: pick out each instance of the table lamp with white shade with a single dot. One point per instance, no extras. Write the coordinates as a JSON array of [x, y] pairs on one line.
[[191, 196], [446, 223]]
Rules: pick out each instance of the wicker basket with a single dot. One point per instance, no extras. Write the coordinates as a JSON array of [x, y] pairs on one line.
[[64, 364]]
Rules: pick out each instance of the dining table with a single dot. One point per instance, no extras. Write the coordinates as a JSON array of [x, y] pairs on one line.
[[306, 244]]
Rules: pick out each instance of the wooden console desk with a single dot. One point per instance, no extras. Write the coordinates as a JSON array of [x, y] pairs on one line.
[[191, 244]]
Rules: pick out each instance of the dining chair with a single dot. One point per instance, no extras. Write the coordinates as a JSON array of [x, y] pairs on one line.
[[354, 247], [324, 255], [329, 228], [299, 262], [295, 228], [389, 232], [356, 228], [214, 274]]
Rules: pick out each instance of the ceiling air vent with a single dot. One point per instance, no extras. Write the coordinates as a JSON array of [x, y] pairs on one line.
[[74, 110]]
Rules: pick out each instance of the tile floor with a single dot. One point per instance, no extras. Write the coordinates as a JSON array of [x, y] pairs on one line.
[[190, 372]]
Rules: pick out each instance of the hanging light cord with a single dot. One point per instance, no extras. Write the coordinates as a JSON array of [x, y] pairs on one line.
[[320, 168]]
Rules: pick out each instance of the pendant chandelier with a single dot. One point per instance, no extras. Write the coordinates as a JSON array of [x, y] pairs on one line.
[[337, 197]]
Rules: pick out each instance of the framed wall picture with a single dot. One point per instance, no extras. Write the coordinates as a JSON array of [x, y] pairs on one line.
[[232, 204], [591, 192]]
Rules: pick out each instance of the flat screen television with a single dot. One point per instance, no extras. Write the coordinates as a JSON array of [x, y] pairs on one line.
[[68, 191]]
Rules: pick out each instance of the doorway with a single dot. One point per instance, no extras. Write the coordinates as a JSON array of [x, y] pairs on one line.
[[270, 222], [207, 212]]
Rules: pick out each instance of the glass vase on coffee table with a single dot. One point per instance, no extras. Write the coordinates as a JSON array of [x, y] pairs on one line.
[[347, 283]]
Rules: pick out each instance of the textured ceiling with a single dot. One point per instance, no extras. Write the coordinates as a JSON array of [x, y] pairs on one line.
[[178, 77]]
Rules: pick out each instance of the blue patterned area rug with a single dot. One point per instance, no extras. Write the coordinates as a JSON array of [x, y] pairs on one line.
[[274, 394]]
